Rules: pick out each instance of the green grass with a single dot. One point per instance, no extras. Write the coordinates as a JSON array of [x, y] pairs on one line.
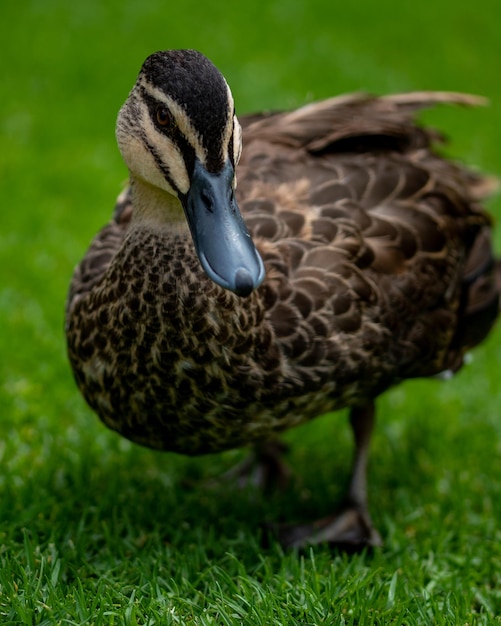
[[94, 530]]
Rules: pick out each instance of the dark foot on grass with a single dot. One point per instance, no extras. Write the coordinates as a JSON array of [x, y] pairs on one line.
[[349, 531]]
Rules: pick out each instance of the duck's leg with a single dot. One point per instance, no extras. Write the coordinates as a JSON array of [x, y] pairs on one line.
[[351, 528], [264, 468]]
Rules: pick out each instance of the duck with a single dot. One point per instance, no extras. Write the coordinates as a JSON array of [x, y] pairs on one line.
[[260, 271]]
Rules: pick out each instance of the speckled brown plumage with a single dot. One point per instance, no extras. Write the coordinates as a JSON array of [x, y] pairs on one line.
[[378, 268]]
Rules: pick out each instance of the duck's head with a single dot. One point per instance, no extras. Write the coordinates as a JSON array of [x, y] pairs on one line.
[[178, 132]]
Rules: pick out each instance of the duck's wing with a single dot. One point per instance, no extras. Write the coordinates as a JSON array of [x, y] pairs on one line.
[[361, 223], [354, 122]]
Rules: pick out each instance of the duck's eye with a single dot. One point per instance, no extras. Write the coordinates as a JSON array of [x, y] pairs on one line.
[[164, 118]]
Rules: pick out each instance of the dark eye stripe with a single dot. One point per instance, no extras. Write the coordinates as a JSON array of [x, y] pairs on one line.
[[214, 160], [231, 146], [186, 149], [161, 165], [174, 133]]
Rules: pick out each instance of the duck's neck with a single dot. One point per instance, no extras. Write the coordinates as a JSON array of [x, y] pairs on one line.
[[154, 207]]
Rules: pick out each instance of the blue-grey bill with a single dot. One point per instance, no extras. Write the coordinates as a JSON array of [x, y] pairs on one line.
[[222, 241]]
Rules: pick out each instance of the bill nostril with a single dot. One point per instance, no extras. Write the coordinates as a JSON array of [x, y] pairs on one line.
[[207, 200]]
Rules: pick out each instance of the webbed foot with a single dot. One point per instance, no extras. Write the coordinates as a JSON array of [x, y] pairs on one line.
[[349, 531]]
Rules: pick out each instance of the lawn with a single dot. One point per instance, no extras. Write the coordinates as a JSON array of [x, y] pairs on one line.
[[95, 530]]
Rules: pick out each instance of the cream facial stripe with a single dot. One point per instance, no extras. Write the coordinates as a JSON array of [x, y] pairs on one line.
[[165, 152], [182, 120], [187, 129], [237, 140], [229, 128]]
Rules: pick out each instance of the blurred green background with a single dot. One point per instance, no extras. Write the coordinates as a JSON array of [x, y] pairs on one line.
[[66, 69]]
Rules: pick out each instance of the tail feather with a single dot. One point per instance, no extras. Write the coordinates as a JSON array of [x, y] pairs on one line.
[[480, 303]]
